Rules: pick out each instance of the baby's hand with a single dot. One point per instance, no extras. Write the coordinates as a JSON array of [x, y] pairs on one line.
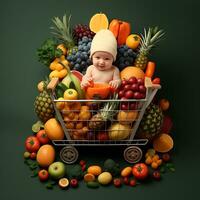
[[86, 82], [114, 84]]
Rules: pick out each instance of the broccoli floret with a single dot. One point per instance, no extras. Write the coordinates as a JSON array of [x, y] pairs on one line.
[[76, 172], [112, 167]]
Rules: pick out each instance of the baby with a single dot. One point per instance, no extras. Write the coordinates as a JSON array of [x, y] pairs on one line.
[[103, 53]]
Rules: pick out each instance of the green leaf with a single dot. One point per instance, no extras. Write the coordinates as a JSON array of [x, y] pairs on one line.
[[172, 169], [34, 173], [170, 165], [49, 186], [162, 169]]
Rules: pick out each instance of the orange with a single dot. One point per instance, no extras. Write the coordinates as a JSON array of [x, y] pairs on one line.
[[54, 130], [98, 21], [45, 155], [163, 143], [133, 41]]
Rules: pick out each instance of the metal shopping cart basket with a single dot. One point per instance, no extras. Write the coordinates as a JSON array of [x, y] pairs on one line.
[[132, 152]]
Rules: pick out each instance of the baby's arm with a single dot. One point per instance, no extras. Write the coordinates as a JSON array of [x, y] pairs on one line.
[[87, 78], [116, 82]]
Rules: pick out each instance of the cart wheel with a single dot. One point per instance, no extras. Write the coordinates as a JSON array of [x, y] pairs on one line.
[[132, 154], [69, 154]]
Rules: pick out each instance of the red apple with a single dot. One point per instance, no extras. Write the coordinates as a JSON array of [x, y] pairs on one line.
[[73, 182], [129, 94], [121, 93], [137, 95], [140, 81], [124, 82], [132, 80], [127, 87], [142, 89], [134, 87]]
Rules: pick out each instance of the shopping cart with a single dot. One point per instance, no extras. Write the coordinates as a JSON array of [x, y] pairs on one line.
[[132, 152]]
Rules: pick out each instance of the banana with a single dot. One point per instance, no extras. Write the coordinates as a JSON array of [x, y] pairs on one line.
[[71, 81]]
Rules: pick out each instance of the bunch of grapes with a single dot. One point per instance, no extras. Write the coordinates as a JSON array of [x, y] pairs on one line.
[[125, 57], [81, 30], [79, 59]]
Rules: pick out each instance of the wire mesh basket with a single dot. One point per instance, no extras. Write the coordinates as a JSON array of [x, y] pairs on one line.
[[90, 122]]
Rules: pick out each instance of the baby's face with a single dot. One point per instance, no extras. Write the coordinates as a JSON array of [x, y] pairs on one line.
[[102, 60]]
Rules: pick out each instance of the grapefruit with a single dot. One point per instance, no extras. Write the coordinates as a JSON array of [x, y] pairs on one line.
[[131, 71], [45, 155]]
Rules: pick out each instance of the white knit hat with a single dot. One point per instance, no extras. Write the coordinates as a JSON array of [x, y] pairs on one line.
[[104, 40]]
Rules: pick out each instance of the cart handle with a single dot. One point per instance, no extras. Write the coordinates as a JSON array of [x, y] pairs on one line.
[[52, 84], [149, 84]]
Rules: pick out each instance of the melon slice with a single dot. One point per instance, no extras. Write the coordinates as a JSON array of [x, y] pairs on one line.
[[98, 21]]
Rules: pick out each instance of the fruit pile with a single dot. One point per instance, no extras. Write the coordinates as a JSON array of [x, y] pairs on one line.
[[67, 57]]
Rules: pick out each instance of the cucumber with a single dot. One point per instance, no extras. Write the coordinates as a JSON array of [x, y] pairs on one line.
[[92, 184]]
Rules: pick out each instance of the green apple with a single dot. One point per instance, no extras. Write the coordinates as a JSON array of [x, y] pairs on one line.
[[56, 170]]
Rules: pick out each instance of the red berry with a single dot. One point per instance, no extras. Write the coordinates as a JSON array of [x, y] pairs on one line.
[[124, 82], [82, 162], [142, 89], [140, 81]]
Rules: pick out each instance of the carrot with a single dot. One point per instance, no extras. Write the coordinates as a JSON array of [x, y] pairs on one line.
[[150, 69]]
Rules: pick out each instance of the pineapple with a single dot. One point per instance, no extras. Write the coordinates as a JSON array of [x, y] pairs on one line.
[[148, 41], [106, 113], [43, 105], [151, 122], [62, 31]]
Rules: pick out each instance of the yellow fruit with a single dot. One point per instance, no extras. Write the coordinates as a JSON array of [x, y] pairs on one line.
[[62, 48], [148, 160], [54, 130], [98, 21], [127, 117], [126, 171], [40, 86], [94, 169], [155, 157], [154, 165], [60, 104], [133, 41], [105, 178], [45, 155]]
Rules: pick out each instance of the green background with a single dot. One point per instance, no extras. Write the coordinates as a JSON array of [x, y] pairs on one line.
[[25, 25]]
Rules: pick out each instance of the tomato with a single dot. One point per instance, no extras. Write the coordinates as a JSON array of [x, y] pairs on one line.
[[42, 137], [70, 94], [140, 171], [32, 144], [43, 174]]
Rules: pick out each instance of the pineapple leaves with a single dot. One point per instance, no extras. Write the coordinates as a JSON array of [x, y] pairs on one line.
[[62, 31]]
